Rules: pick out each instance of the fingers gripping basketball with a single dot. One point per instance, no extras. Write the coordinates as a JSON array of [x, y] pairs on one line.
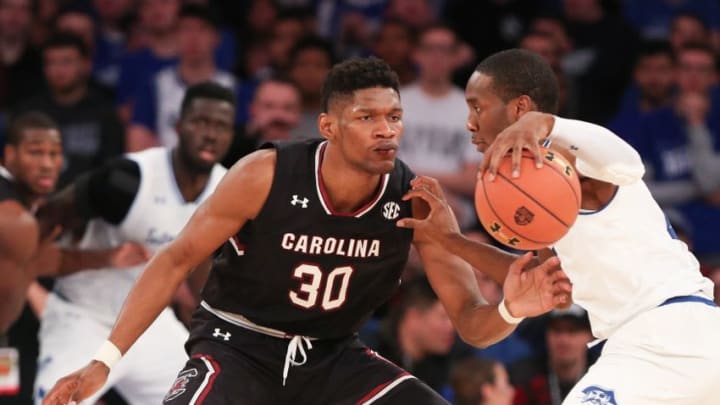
[[534, 210]]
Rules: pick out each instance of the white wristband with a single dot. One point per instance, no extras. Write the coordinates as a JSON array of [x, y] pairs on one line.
[[505, 314], [108, 353]]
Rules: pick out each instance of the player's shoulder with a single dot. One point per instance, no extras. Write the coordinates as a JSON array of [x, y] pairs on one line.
[[18, 230]]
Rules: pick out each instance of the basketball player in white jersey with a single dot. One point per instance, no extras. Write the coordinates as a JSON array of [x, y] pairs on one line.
[[640, 285], [145, 197]]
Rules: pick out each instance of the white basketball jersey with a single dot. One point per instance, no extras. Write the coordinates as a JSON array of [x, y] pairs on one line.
[[156, 217], [623, 260]]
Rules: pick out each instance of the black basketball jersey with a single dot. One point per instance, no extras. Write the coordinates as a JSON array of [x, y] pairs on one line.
[[8, 191], [304, 269]]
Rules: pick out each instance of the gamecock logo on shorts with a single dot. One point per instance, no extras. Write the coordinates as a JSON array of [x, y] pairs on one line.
[[180, 384], [523, 216], [595, 395]]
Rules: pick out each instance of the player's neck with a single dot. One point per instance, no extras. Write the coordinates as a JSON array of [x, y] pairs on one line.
[[348, 188], [190, 181]]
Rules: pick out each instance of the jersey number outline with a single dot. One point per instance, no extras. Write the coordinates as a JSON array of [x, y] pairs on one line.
[[312, 279]]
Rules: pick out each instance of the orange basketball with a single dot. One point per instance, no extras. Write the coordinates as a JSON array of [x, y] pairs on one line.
[[534, 210]]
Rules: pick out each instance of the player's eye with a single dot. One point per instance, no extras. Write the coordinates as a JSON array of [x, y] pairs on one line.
[[365, 118]]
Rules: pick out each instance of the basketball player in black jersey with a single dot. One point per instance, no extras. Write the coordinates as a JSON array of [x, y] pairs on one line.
[[33, 158], [309, 248]]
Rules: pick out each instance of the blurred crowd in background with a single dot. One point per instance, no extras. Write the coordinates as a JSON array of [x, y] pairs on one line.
[[112, 73]]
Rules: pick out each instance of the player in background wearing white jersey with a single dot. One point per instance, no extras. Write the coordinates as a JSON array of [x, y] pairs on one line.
[[145, 197], [641, 286]]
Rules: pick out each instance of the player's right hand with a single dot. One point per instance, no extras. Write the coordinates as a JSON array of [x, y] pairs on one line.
[[79, 385]]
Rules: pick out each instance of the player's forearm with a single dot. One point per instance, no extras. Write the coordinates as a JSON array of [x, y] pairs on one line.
[[485, 258], [75, 260], [152, 293], [600, 153], [482, 326]]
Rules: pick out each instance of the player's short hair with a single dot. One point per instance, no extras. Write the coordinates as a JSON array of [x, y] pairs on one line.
[[25, 121], [517, 72], [67, 40], [312, 42], [356, 74], [209, 90]]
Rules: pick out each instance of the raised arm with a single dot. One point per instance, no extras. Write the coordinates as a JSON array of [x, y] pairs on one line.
[[528, 292], [599, 153], [214, 222], [18, 242]]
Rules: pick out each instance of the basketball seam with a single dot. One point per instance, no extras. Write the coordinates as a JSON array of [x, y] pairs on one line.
[[490, 204], [577, 198], [533, 200]]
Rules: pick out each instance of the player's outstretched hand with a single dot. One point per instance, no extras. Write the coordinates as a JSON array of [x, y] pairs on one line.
[[525, 133], [129, 254], [79, 385], [440, 223], [535, 290]]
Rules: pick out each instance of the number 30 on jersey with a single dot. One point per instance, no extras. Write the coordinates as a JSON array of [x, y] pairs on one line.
[[316, 288]]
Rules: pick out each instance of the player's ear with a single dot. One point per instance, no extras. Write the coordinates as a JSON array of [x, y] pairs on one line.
[[520, 105], [326, 126]]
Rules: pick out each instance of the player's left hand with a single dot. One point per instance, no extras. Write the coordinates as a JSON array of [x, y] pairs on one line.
[[535, 290], [440, 224], [525, 133]]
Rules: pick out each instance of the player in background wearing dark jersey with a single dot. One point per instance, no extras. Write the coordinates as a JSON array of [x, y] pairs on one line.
[[310, 248], [33, 158]]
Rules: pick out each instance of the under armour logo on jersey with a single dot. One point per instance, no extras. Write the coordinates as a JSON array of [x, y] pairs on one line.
[[296, 200], [391, 210], [224, 335], [595, 395]]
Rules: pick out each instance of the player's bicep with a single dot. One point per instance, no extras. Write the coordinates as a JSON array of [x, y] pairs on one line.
[[239, 197]]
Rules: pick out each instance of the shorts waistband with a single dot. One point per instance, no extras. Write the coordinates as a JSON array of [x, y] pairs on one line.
[[689, 298], [243, 322]]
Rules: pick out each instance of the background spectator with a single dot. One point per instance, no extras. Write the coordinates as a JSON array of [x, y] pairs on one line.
[[91, 131], [436, 142], [157, 105], [547, 380], [310, 61], [477, 381], [419, 336], [652, 88], [275, 112]]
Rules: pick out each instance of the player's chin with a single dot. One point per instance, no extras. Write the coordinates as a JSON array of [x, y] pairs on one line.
[[382, 167]]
